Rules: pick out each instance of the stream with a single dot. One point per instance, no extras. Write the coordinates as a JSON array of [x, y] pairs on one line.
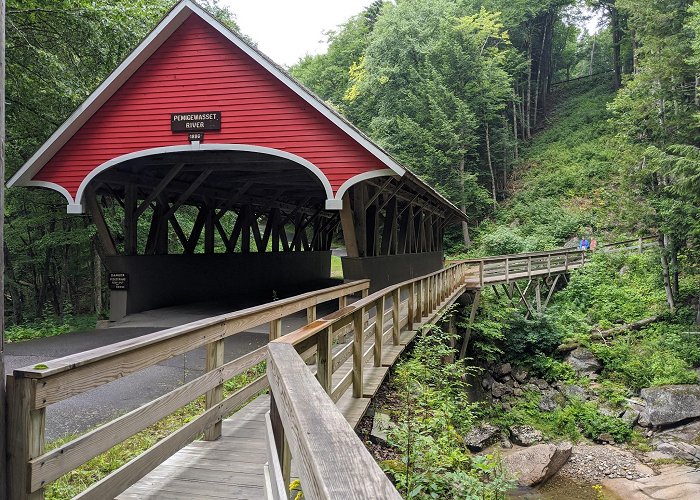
[[557, 488]]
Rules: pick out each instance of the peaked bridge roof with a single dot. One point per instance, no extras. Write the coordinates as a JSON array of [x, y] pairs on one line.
[[191, 63]]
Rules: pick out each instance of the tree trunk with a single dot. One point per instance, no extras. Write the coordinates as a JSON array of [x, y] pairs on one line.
[[515, 128], [490, 164], [529, 88], [3, 404], [463, 207], [666, 275], [97, 274], [617, 40]]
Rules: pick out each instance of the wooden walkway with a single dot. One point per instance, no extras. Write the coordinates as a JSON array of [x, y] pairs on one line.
[[232, 467]]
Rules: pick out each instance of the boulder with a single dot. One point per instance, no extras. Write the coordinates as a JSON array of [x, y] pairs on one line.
[[548, 400], [540, 383], [499, 390], [380, 426], [503, 369], [675, 481], [574, 392], [531, 388], [524, 435], [487, 381], [682, 442], [669, 404], [520, 374], [536, 464], [583, 361], [482, 436]]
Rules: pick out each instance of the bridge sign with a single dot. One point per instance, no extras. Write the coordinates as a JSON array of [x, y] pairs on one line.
[[199, 121]]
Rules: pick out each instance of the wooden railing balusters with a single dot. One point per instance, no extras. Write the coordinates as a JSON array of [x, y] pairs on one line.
[[25, 437], [379, 331], [357, 354], [324, 357], [215, 359], [396, 315]]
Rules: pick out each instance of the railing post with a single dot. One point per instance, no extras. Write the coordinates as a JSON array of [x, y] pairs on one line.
[[324, 366], [507, 270], [566, 261], [215, 359], [342, 301], [411, 304], [275, 329], [379, 332], [310, 314], [481, 274], [419, 301], [641, 244], [283, 452], [357, 353], [25, 436], [549, 264], [395, 315], [529, 267]]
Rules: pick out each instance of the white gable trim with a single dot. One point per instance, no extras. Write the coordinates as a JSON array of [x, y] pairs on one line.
[[153, 41], [191, 147]]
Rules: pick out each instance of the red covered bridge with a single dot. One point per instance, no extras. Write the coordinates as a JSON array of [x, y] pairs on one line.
[[208, 170]]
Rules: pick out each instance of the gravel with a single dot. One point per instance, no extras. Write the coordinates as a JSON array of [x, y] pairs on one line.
[[594, 463]]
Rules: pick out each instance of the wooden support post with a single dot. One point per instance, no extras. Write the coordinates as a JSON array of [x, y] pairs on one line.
[[411, 304], [357, 353], [283, 451], [641, 244], [103, 232], [324, 366], [472, 317], [507, 270], [538, 297], [395, 316], [566, 262], [215, 359], [481, 274], [360, 218], [130, 221], [275, 329], [551, 292], [25, 436], [342, 301], [529, 267], [209, 227], [310, 314], [379, 332], [419, 301], [549, 264]]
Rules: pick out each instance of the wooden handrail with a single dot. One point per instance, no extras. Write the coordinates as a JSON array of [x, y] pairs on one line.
[[325, 447], [32, 389]]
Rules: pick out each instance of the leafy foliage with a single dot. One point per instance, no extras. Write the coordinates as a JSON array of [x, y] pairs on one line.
[[434, 462]]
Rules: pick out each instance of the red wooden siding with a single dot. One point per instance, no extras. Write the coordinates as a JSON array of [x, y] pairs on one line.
[[198, 69]]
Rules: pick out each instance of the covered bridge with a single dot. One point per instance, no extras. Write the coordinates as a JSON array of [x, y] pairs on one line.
[[209, 171]]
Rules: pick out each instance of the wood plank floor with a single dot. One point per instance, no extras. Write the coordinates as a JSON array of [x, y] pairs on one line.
[[232, 466]]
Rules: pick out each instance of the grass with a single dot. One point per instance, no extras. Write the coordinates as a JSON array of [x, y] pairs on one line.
[[336, 267], [102, 465], [50, 326]]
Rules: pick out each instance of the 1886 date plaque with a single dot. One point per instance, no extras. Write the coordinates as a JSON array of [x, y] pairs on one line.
[[199, 121], [118, 281]]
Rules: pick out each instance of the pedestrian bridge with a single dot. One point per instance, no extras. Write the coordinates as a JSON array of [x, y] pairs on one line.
[[295, 420]]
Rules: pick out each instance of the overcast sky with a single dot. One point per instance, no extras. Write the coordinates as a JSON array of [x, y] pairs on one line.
[[287, 30]]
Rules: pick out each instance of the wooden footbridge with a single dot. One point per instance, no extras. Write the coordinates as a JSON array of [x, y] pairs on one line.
[[297, 420]]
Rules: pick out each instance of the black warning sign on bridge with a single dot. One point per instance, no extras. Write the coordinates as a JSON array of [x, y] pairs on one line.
[[118, 281]]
